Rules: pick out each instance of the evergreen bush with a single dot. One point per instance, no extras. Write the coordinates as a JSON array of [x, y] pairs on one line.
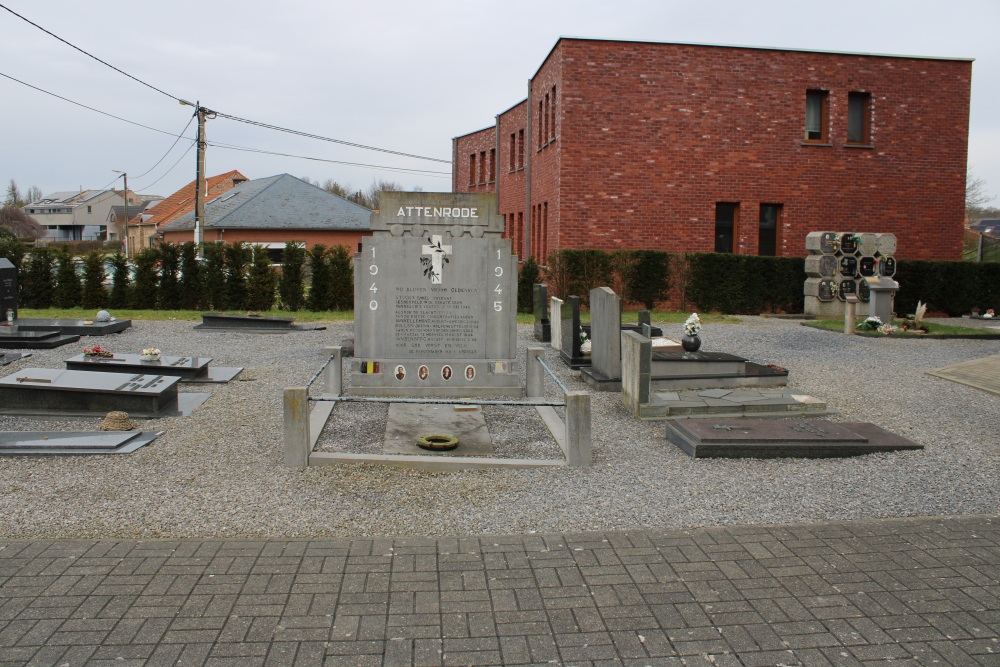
[[341, 278], [213, 276], [146, 287], [169, 297], [238, 256], [320, 283], [528, 275], [291, 284], [189, 283], [39, 279], [68, 286], [262, 282], [121, 286], [95, 295]]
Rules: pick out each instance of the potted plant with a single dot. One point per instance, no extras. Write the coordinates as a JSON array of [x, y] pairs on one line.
[[691, 341]]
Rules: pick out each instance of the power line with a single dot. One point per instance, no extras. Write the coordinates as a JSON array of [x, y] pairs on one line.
[[321, 138], [90, 55], [103, 113], [179, 136], [223, 115], [174, 166], [435, 174]]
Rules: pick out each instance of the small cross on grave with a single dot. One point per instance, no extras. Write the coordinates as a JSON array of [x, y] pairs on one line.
[[438, 258]]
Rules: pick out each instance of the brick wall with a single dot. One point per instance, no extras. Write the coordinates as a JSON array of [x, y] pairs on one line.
[[647, 138]]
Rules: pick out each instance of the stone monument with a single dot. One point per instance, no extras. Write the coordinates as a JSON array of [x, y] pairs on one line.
[[8, 291], [842, 264], [435, 300]]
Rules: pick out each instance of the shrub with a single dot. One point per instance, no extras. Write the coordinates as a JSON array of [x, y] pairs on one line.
[[169, 294], [341, 278], [320, 284], [213, 276], [68, 287], [645, 275], [262, 282], [94, 293], [238, 256], [526, 279], [146, 279], [39, 280], [291, 284], [121, 287], [189, 284]]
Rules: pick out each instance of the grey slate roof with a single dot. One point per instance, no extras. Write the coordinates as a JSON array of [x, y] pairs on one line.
[[278, 202]]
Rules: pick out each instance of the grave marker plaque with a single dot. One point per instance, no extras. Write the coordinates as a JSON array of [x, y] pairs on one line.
[[847, 288], [887, 266], [435, 286], [849, 243], [8, 290], [848, 266], [867, 266], [864, 290]]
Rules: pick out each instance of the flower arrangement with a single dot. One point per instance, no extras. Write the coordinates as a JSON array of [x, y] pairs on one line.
[[585, 344], [98, 351], [150, 351], [692, 325], [871, 323], [886, 329], [989, 313]]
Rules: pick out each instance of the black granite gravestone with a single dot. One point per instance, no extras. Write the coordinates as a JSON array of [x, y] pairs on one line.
[[571, 329], [540, 307], [867, 266], [849, 266], [887, 266], [188, 369], [849, 243], [8, 291]]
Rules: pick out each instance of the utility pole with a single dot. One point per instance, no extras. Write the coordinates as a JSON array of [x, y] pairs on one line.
[[128, 246], [199, 196]]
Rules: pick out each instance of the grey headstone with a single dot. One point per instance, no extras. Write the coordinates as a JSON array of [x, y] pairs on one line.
[[605, 332], [555, 321]]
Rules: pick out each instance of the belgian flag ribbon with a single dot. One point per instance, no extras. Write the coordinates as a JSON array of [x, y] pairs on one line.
[[369, 367]]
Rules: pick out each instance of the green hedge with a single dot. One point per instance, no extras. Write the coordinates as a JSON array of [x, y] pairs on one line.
[[951, 287]]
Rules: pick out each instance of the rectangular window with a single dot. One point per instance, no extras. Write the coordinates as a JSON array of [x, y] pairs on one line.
[[552, 117], [769, 229], [726, 214], [520, 233], [543, 246], [513, 151], [520, 149], [858, 114], [546, 131], [816, 110], [541, 123], [493, 165], [472, 169], [482, 166]]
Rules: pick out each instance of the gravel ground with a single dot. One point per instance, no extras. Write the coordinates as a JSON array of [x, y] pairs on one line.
[[218, 472]]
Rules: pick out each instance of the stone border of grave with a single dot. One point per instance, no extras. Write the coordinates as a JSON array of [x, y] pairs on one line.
[[304, 423]]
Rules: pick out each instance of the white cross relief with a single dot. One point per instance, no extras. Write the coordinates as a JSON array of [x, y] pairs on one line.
[[438, 258]]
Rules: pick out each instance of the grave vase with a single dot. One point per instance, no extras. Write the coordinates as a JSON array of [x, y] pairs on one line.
[[691, 343]]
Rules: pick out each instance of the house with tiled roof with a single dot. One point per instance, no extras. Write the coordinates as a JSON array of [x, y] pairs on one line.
[[144, 229], [272, 211]]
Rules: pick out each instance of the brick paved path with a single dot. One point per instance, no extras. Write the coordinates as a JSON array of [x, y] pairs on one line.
[[909, 591]]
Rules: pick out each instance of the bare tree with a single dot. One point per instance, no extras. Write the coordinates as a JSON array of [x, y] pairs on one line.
[[377, 187], [34, 194], [20, 223], [976, 194], [14, 197]]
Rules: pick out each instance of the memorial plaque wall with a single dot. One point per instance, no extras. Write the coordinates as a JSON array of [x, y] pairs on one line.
[[435, 294], [849, 258]]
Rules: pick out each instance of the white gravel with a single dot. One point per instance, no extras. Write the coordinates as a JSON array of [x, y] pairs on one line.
[[218, 472]]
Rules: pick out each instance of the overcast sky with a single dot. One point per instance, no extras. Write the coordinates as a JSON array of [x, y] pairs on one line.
[[404, 76]]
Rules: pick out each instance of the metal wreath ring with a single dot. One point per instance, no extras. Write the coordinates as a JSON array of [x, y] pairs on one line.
[[437, 441]]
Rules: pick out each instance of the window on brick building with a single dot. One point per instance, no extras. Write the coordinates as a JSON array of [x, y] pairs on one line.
[[547, 130], [726, 214], [513, 152], [541, 123], [493, 165], [769, 229], [543, 242], [520, 233], [520, 149], [482, 166], [858, 115], [816, 112], [472, 169], [552, 115]]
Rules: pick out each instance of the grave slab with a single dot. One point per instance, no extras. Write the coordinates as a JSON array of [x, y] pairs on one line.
[[691, 403], [253, 324], [15, 338], [189, 369], [65, 392], [72, 327], [21, 443], [808, 438], [11, 357], [409, 421]]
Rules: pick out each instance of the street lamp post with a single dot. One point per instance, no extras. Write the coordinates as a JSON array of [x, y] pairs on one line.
[[128, 246]]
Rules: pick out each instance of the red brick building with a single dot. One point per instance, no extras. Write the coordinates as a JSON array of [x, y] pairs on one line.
[[736, 149]]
